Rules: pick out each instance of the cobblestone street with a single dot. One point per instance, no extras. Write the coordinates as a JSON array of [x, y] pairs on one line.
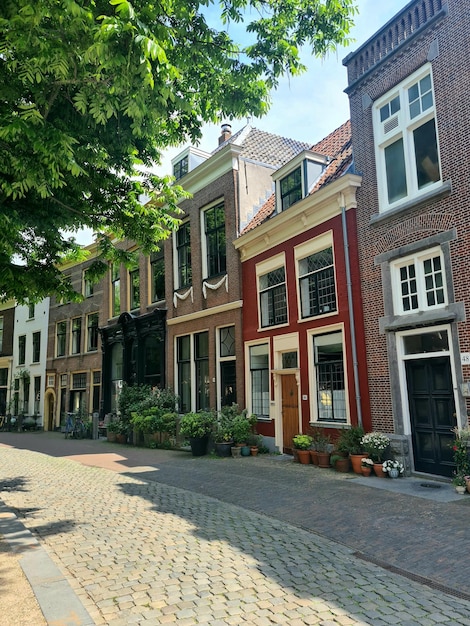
[[139, 552]]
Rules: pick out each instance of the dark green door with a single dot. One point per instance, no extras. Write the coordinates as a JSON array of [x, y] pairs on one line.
[[432, 413]]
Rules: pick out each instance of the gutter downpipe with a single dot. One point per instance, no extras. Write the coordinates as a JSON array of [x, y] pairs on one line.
[[351, 311]]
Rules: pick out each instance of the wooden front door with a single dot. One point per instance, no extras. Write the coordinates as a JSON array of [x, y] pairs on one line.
[[432, 413], [290, 410]]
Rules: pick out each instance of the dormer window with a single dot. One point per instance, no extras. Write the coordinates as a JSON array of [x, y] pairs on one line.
[[291, 188], [295, 180], [180, 168]]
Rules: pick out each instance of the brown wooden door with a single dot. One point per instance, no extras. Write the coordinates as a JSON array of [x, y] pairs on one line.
[[290, 410]]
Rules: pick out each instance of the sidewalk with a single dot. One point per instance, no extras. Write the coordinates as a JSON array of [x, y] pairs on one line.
[[114, 535]]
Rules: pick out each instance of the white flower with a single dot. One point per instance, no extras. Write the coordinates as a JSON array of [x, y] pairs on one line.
[[388, 465]]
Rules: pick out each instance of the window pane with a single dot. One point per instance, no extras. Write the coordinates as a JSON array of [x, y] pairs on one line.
[[395, 168], [426, 342], [291, 188], [259, 373], [331, 398], [227, 341], [427, 163]]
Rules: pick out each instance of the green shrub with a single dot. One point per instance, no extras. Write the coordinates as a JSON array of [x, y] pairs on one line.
[[197, 424]]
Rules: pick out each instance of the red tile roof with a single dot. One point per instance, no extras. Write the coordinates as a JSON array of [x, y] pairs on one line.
[[337, 145]]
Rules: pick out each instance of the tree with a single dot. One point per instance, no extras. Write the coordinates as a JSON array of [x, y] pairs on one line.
[[93, 89]]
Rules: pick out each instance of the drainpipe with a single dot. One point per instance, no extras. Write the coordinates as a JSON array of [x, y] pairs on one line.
[[351, 310]]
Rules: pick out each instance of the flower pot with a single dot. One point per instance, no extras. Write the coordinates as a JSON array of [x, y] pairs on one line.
[[223, 448], [304, 456], [379, 470], [245, 450], [342, 465], [366, 471], [198, 445], [314, 456], [111, 437], [120, 438], [460, 489], [356, 460], [467, 480], [393, 473], [236, 451], [324, 459], [295, 454], [254, 450]]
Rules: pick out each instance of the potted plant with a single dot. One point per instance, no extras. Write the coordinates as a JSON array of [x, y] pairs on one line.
[[367, 465], [242, 427], [302, 444], [459, 483], [375, 444], [340, 462], [197, 427], [393, 468], [324, 451], [350, 442], [112, 429]]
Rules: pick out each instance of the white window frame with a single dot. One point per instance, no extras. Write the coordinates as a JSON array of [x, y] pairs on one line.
[[204, 263], [311, 334], [263, 268], [417, 260], [176, 272], [248, 382], [192, 366], [304, 250], [400, 125]]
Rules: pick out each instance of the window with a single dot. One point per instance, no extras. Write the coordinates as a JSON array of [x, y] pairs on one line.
[[192, 355], [1, 333], [88, 285], [291, 188], [3, 390], [61, 333], [227, 365], [201, 357], [317, 283], [37, 394], [96, 396], [214, 221], [183, 253], [115, 290], [259, 380], [181, 168], [36, 347], [76, 335], [22, 350], [92, 332], [406, 139], [134, 287], [329, 374], [183, 356], [273, 299], [419, 282], [78, 392], [31, 311], [157, 275]]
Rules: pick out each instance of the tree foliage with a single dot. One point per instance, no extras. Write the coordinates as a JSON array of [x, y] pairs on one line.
[[93, 89]]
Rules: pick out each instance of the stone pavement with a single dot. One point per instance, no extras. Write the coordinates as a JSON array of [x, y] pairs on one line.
[[168, 538]]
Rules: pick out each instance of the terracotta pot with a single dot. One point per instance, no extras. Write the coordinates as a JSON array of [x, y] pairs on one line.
[[467, 480], [304, 456], [366, 471], [314, 456], [342, 465], [379, 471], [254, 450], [356, 462], [295, 454], [324, 459]]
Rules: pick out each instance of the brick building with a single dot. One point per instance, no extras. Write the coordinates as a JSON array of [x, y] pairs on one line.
[[407, 87], [73, 367], [302, 326], [202, 266]]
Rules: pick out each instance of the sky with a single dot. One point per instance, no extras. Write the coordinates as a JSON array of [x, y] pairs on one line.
[[307, 107]]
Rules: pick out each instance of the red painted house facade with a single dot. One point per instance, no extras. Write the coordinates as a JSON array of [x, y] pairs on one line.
[[302, 309]]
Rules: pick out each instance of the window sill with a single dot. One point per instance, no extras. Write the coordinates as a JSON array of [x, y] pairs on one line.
[[454, 312], [264, 329], [440, 192]]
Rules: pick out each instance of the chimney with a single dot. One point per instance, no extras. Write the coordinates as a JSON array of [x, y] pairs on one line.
[[225, 134]]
